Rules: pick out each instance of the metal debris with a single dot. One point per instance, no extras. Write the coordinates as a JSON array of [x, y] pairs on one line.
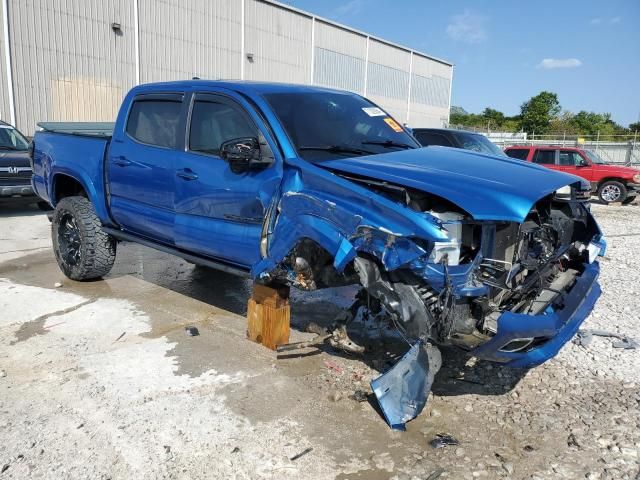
[[585, 337], [443, 440], [340, 340], [302, 453], [336, 336], [192, 331]]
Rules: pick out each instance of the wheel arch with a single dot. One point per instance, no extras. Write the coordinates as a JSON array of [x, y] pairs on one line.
[[65, 183], [611, 179]]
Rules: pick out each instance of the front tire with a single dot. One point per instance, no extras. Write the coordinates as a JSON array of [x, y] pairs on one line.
[[612, 191], [82, 249]]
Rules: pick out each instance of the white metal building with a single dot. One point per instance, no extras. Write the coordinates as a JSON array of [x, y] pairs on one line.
[[73, 60]]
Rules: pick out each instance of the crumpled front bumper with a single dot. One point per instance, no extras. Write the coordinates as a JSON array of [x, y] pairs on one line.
[[557, 326]]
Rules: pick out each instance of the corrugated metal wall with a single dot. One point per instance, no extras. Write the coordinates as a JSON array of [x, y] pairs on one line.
[[182, 39], [279, 41], [4, 89], [388, 78], [430, 92], [340, 58], [68, 64]]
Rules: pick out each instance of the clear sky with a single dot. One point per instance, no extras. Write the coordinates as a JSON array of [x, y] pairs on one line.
[[588, 52]]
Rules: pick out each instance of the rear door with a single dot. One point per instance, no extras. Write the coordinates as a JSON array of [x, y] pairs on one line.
[[141, 165], [220, 213], [547, 157]]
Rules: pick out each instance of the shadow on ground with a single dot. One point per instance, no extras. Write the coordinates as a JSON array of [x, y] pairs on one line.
[[19, 207]]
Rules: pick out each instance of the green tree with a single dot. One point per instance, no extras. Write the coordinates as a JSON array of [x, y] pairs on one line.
[[590, 123], [634, 127], [493, 118], [562, 125], [538, 112]]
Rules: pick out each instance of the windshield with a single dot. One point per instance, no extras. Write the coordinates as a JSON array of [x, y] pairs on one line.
[[330, 125], [12, 139], [594, 157], [478, 143]]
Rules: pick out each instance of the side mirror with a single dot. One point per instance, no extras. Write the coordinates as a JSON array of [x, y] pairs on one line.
[[241, 153], [582, 163]]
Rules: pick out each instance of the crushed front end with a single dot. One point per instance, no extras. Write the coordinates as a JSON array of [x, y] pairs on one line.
[[508, 292], [508, 276]]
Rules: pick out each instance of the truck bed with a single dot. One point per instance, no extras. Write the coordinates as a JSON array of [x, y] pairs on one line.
[[91, 129], [72, 149]]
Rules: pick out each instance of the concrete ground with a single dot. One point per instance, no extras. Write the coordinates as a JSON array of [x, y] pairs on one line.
[[99, 380]]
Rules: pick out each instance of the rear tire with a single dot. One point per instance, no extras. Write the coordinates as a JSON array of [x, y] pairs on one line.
[[612, 191], [82, 249]]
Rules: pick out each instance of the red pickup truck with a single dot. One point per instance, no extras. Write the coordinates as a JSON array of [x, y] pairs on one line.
[[612, 183]]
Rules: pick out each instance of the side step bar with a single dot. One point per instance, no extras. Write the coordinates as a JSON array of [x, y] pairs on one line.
[[224, 267]]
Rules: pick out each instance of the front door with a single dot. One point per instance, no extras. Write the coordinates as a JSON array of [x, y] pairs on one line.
[[572, 162], [220, 213], [141, 166]]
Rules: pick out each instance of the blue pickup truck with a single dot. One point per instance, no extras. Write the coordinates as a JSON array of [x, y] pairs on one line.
[[315, 188]]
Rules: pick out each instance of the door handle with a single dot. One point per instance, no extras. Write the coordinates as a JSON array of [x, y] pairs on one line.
[[187, 174], [121, 161]]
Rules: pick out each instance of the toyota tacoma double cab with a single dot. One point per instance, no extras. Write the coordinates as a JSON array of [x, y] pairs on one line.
[[612, 183], [315, 188]]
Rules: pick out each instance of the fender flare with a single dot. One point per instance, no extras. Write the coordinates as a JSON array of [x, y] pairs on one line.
[[87, 184]]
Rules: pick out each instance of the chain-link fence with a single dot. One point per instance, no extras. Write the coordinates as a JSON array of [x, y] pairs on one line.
[[615, 149]]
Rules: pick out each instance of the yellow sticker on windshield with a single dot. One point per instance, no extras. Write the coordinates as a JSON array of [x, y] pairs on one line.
[[393, 124]]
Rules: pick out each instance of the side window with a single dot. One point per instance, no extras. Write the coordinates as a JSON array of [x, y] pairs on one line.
[[545, 157], [155, 122], [519, 153], [215, 121], [569, 158], [428, 138]]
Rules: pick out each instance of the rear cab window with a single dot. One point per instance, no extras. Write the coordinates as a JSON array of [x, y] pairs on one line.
[[545, 157], [155, 119], [518, 153]]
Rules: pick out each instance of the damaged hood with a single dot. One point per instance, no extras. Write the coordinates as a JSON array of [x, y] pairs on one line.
[[487, 187]]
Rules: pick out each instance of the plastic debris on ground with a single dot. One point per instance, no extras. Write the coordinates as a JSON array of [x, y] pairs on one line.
[[403, 390], [443, 440], [192, 331], [585, 337]]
